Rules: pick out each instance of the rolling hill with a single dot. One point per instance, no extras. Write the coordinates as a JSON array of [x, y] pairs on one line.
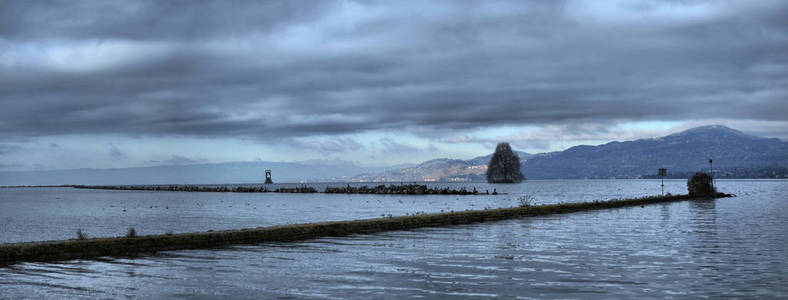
[[442, 169]]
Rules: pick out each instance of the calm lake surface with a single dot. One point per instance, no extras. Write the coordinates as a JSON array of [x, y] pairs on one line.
[[726, 247]]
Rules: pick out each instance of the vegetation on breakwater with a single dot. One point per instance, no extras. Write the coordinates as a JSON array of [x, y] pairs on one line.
[[402, 189], [134, 245], [701, 184]]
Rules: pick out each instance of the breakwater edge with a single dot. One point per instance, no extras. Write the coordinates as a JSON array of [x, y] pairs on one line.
[[401, 189]]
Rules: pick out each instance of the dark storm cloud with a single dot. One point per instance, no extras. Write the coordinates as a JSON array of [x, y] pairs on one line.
[[148, 19], [288, 68]]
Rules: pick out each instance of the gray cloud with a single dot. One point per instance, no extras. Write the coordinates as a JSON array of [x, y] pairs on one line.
[[544, 138], [392, 146], [147, 19], [327, 146], [114, 151], [8, 148], [176, 159], [289, 68], [9, 166]]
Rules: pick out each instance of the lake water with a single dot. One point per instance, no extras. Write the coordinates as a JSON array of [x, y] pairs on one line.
[[725, 247], [36, 214]]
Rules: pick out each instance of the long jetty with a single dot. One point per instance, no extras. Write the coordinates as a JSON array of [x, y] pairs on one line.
[[132, 246], [401, 189]]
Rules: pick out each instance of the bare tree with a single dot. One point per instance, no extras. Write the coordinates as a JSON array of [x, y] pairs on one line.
[[504, 166]]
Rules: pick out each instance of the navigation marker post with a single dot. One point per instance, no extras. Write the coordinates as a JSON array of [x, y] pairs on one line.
[[711, 173], [662, 173], [268, 177]]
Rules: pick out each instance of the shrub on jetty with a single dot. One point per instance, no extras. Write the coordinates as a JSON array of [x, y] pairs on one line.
[[132, 233], [700, 185], [526, 201], [504, 166]]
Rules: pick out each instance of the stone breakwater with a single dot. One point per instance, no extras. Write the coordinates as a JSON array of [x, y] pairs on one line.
[[408, 189], [302, 189], [404, 189], [130, 246]]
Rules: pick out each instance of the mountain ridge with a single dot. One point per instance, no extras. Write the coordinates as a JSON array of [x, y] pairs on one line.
[[685, 151], [735, 154]]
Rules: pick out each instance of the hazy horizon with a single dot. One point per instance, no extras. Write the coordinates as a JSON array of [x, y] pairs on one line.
[[182, 161]]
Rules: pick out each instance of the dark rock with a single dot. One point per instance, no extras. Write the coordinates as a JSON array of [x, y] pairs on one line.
[[700, 185], [504, 166]]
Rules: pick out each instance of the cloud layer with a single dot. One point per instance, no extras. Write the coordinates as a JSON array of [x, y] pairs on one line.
[[132, 83], [292, 68]]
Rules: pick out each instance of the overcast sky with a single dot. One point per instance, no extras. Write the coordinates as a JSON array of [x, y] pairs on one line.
[[137, 83]]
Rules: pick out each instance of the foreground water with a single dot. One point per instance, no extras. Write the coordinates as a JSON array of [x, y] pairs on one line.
[[725, 247]]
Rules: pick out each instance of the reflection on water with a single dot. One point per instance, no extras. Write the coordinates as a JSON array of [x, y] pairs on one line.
[[706, 248], [664, 210], [703, 219], [732, 247]]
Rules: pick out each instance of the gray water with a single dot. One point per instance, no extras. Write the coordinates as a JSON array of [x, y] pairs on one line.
[[37, 214], [713, 248]]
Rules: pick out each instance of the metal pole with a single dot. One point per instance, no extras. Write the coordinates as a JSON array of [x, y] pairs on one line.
[[711, 173], [663, 185]]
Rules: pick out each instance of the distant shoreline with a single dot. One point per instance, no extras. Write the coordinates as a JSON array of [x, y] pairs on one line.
[[33, 186], [371, 182]]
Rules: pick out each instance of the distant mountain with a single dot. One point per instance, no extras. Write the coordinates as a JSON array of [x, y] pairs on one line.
[[214, 173], [682, 152], [734, 154], [442, 169]]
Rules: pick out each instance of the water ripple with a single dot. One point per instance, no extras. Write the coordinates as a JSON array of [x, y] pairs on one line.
[[724, 248]]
